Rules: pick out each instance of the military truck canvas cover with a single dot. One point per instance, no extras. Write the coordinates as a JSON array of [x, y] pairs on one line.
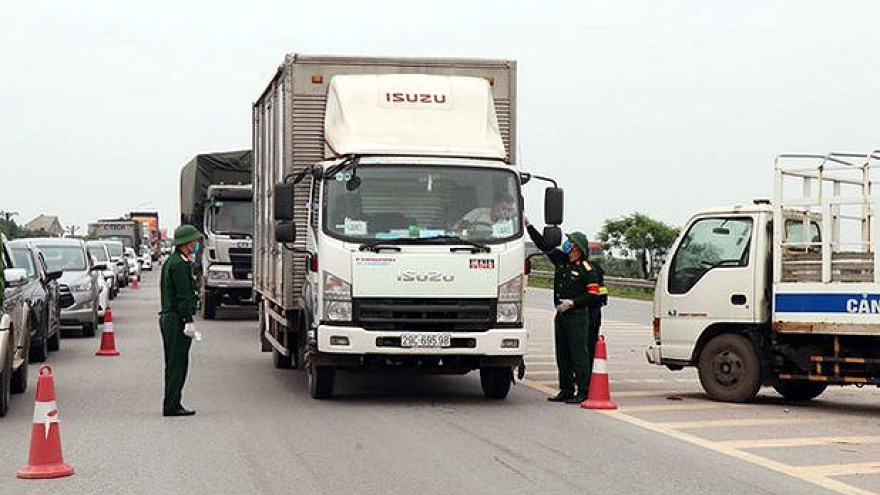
[[232, 167]]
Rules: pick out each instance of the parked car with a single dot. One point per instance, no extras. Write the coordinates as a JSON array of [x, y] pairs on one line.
[[14, 334], [146, 258], [79, 285], [134, 265], [117, 255], [41, 292], [101, 254]]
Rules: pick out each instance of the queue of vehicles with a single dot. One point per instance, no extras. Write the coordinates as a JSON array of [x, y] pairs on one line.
[[50, 283]]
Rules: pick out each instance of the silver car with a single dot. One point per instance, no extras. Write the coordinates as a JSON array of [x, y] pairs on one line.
[[101, 253], [79, 285]]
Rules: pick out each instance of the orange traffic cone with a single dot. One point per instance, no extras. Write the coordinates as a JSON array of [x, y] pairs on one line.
[[45, 459], [108, 338], [600, 390]]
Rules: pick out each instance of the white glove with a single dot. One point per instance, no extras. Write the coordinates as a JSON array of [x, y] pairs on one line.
[[189, 330], [564, 305]]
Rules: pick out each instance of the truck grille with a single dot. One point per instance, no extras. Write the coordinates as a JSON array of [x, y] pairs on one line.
[[242, 262], [425, 315], [65, 299]]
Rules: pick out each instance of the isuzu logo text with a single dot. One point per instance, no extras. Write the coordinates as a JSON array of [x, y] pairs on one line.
[[419, 276], [415, 98]]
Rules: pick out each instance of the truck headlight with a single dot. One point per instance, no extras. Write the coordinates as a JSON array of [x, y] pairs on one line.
[[337, 298], [85, 286], [510, 295]]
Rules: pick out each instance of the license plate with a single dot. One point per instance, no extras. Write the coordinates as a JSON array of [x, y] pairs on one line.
[[425, 340]]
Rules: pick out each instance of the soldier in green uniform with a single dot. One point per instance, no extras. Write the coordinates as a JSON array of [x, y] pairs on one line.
[[575, 289], [178, 292]]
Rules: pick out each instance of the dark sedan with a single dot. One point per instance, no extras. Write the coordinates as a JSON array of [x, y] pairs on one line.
[[42, 294]]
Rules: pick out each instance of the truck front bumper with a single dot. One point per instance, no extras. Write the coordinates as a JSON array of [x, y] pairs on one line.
[[357, 341]]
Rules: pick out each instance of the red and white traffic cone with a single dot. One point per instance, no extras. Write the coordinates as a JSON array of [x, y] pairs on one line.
[[108, 337], [134, 283], [600, 389], [45, 459]]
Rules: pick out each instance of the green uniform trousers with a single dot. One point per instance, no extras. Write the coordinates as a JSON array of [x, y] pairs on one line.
[[572, 354], [176, 346]]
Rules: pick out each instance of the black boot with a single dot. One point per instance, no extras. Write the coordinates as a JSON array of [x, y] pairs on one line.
[[577, 398], [562, 396]]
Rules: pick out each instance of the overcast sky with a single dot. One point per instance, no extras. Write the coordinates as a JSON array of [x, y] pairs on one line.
[[661, 107]]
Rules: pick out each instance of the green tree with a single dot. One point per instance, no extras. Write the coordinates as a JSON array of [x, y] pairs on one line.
[[641, 235]]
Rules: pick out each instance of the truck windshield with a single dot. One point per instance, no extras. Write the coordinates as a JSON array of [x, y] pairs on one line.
[[64, 258], [233, 217], [423, 202]]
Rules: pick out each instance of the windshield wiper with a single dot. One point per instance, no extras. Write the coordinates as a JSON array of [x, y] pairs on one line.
[[475, 246], [375, 246]]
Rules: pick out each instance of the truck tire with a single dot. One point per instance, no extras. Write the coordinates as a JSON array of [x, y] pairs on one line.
[[729, 369], [281, 361], [495, 382], [321, 381], [209, 306], [800, 391]]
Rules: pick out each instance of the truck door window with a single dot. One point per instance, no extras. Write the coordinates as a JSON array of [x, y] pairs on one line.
[[710, 243]]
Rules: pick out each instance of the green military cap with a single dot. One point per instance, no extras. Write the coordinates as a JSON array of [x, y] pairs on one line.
[[184, 234], [580, 240]]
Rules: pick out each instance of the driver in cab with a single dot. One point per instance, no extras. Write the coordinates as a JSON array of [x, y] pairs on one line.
[[502, 212]]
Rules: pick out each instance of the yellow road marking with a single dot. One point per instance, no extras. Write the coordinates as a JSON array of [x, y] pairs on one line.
[[841, 469], [680, 406], [724, 423], [817, 475], [798, 442]]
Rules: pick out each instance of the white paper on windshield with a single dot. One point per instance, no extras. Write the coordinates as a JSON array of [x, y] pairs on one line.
[[355, 227], [503, 228]]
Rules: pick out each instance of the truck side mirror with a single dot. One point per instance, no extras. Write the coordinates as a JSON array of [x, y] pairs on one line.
[[284, 201], [553, 235], [285, 232], [553, 201]]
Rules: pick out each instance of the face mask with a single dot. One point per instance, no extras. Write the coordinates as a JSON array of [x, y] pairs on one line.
[[566, 247]]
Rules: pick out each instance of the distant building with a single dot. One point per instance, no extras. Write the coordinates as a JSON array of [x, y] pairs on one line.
[[46, 225]]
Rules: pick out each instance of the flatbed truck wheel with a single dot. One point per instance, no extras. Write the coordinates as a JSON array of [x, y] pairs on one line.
[[729, 369], [495, 382]]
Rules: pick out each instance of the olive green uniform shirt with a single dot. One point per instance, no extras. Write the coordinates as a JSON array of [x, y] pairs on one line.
[[178, 287]]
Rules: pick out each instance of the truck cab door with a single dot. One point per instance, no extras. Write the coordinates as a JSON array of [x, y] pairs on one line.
[[709, 278]]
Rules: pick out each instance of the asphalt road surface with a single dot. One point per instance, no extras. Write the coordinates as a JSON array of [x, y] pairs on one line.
[[257, 431]]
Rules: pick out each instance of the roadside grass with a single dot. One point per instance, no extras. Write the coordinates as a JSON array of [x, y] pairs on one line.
[[622, 292]]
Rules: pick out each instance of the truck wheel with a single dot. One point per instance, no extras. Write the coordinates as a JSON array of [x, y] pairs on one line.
[[496, 382], [800, 391], [729, 369], [321, 380], [281, 361], [209, 307]]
